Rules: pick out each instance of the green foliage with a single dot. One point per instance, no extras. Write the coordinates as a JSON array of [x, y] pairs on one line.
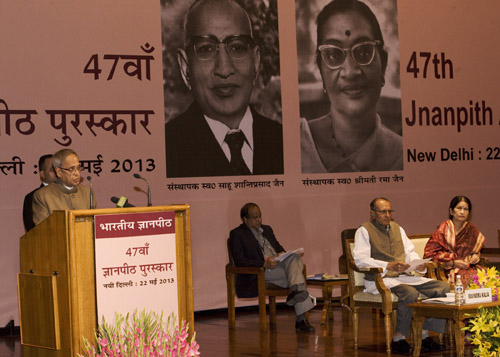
[[485, 329]]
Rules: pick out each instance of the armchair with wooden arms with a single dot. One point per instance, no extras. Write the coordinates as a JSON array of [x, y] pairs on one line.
[[385, 301], [434, 270], [263, 291]]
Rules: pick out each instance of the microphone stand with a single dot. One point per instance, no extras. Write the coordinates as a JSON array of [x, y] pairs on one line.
[[137, 176], [91, 192]]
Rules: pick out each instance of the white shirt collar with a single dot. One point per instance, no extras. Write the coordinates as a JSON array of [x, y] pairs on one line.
[[68, 187], [220, 130], [246, 126]]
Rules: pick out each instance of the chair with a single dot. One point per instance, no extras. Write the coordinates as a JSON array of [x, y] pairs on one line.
[[385, 301], [434, 270], [346, 234], [263, 291]]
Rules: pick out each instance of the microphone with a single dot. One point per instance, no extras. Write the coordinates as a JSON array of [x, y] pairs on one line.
[[137, 176], [91, 192], [121, 202]]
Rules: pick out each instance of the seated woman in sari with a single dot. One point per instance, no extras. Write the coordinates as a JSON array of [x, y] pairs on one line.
[[457, 242]]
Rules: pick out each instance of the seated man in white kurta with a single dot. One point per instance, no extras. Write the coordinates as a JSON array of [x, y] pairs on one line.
[[382, 243]]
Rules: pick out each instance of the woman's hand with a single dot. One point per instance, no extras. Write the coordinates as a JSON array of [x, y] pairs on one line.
[[474, 258], [461, 264]]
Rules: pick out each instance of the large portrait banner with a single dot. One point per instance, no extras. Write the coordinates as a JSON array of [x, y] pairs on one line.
[[136, 266]]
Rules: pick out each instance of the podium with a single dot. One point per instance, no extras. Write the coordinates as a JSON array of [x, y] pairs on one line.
[[57, 279]]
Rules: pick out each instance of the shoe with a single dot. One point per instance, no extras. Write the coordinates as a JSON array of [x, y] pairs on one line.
[[401, 346], [429, 345], [296, 296], [304, 326]]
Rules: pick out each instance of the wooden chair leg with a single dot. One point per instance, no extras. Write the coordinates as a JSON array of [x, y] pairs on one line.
[[231, 314], [355, 325], [262, 312], [272, 310], [388, 331]]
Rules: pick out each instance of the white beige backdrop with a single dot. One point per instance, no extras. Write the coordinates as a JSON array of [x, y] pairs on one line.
[[46, 46]]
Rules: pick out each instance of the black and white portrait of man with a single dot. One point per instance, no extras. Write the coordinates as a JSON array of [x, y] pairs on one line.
[[222, 88]]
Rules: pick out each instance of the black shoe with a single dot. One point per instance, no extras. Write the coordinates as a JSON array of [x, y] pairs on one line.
[[296, 296], [401, 346], [304, 326], [429, 345]]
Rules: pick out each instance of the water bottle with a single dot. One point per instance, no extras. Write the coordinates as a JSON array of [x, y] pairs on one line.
[[459, 291]]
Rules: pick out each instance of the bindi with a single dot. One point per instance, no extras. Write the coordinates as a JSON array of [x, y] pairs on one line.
[[348, 33]]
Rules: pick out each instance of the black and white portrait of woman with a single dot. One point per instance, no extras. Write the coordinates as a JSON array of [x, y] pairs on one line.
[[350, 97]]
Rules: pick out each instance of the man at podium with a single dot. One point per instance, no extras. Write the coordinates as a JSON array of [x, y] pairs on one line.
[[66, 193]]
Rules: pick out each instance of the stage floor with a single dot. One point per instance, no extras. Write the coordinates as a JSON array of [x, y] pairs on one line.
[[333, 339]]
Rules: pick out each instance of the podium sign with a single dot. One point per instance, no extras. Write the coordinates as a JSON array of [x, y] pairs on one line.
[[135, 263]]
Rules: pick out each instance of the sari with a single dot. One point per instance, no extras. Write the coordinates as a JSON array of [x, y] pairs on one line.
[[446, 244]]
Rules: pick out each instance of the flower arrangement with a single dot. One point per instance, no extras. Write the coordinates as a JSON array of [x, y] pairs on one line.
[[485, 329], [486, 279], [141, 335]]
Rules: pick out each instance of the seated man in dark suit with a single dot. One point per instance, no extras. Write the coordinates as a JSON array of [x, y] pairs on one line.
[[47, 176], [220, 134], [254, 244]]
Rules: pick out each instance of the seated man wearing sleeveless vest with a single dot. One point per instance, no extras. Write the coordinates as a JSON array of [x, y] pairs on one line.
[[382, 243]]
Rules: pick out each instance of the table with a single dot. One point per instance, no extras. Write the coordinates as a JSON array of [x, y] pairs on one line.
[[326, 285], [455, 313]]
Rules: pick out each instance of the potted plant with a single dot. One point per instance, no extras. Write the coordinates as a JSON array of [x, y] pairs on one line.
[[486, 279], [142, 334], [484, 327]]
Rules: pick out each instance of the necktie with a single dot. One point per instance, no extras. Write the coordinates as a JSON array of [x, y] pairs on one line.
[[235, 139]]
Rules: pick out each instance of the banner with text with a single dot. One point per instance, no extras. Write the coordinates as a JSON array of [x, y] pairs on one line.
[[136, 269]]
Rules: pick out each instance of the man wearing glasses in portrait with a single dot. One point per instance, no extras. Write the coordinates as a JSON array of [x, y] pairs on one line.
[[66, 193], [352, 61], [220, 134]]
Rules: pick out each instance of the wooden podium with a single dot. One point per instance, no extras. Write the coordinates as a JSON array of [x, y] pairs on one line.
[[56, 284]]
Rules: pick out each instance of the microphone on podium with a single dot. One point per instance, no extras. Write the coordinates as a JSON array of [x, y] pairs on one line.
[[121, 202], [91, 192], [137, 176]]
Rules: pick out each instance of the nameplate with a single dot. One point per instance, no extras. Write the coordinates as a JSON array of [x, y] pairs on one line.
[[474, 296]]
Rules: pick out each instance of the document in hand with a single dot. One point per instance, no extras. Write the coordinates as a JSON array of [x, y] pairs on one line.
[[283, 256], [415, 263]]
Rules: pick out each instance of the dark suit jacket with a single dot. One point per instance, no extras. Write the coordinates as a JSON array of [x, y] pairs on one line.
[[28, 210], [193, 151], [246, 252]]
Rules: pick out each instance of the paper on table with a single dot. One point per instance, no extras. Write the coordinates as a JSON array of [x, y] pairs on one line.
[[445, 299], [324, 276], [415, 263], [283, 256]]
